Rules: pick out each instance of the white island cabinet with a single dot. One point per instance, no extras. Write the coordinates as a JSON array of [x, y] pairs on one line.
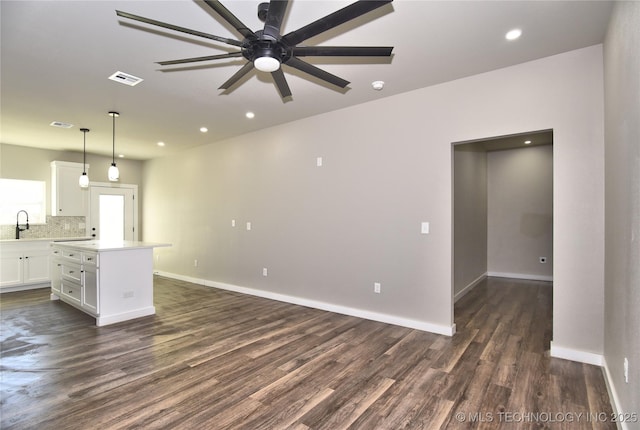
[[111, 281]]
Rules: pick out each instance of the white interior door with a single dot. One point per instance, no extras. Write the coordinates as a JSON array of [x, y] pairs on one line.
[[113, 213]]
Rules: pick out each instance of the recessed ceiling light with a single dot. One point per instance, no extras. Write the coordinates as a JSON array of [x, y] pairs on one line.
[[377, 85], [204, 129], [160, 143], [513, 34], [527, 142], [250, 115]]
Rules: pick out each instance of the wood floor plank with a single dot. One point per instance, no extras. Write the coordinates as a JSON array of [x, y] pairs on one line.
[[221, 360]]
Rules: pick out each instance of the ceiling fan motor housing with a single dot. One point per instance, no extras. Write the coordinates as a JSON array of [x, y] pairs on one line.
[[266, 48]]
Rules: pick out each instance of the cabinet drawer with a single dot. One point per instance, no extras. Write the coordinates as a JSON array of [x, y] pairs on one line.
[[90, 258], [72, 255], [71, 271], [71, 290]]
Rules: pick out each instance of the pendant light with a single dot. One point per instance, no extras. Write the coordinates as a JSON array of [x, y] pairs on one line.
[[114, 173], [84, 178]]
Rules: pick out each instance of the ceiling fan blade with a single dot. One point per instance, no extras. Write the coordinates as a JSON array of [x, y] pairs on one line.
[[178, 28], [245, 31], [237, 76], [281, 83], [314, 71], [343, 15], [196, 59], [275, 15], [340, 51]]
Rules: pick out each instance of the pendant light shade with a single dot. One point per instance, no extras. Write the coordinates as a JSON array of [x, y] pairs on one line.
[[83, 181], [114, 173]]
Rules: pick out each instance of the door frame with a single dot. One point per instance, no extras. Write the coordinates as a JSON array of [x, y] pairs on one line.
[[132, 187]]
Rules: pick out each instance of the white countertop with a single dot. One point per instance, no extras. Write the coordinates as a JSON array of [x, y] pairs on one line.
[[109, 245]]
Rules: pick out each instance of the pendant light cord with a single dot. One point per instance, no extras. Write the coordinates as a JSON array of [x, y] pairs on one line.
[[113, 146]]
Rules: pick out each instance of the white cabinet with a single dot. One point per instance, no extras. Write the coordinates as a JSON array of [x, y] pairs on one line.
[[24, 264], [115, 282], [67, 197], [76, 279]]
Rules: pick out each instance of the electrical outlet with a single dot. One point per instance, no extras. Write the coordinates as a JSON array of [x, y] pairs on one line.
[[319, 161], [626, 370], [543, 260], [376, 287], [195, 263], [233, 223], [265, 272]]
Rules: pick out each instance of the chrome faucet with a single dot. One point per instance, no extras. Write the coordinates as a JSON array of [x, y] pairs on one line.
[[18, 229]]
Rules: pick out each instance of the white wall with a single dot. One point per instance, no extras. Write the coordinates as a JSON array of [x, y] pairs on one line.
[[327, 234], [469, 217], [622, 158], [520, 212]]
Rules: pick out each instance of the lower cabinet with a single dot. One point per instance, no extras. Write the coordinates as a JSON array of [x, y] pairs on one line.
[[24, 264], [75, 279]]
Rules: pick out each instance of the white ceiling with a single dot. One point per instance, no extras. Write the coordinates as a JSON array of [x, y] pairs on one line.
[[57, 55]]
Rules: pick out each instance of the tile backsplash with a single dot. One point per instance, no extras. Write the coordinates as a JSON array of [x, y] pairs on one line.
[[55, 227]]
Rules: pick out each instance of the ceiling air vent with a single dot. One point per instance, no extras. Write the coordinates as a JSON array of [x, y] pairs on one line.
[[125, 78], [61, 124]]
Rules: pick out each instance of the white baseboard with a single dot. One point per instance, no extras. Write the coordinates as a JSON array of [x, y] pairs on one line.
[[469, 287], [520, 276], [126, 316], [25, 287], [344, 310], [576, 355], [613, 395]]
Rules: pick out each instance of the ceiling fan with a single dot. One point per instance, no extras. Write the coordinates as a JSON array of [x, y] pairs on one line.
[[267, 49]]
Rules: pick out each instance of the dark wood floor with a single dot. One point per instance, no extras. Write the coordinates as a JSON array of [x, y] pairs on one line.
[[213, 359]]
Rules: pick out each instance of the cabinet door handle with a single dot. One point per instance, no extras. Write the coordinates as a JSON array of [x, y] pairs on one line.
[[70, 271], [71, 255], [26, 258], [89, 259]]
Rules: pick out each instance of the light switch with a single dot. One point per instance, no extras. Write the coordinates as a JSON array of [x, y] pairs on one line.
[[248, 226], [233, 223], [424, 229], [319, 161]]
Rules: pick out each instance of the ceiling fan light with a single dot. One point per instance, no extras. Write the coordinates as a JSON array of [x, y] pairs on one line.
[[266, 64]]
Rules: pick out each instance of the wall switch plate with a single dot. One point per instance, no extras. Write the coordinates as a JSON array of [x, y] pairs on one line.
[[195, 263], [319, 161], [248, 226], [376, 287], [233, 223], [265, 272], [424, 228]]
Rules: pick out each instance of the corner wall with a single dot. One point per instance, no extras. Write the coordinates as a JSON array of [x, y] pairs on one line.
[[328, 233], [622, 178]]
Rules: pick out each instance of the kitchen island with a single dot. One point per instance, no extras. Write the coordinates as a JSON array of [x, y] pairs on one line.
[[111, 281]]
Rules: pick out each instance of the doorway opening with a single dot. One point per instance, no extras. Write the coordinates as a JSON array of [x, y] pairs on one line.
[[502, 210]]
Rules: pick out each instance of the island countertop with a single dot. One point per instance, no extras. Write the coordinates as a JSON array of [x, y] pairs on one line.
[[109, 245]]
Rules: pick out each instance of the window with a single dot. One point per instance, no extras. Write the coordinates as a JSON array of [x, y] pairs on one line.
[[19, 194]]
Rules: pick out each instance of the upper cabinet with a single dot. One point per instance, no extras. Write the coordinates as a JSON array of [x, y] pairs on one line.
[[67, 197]]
